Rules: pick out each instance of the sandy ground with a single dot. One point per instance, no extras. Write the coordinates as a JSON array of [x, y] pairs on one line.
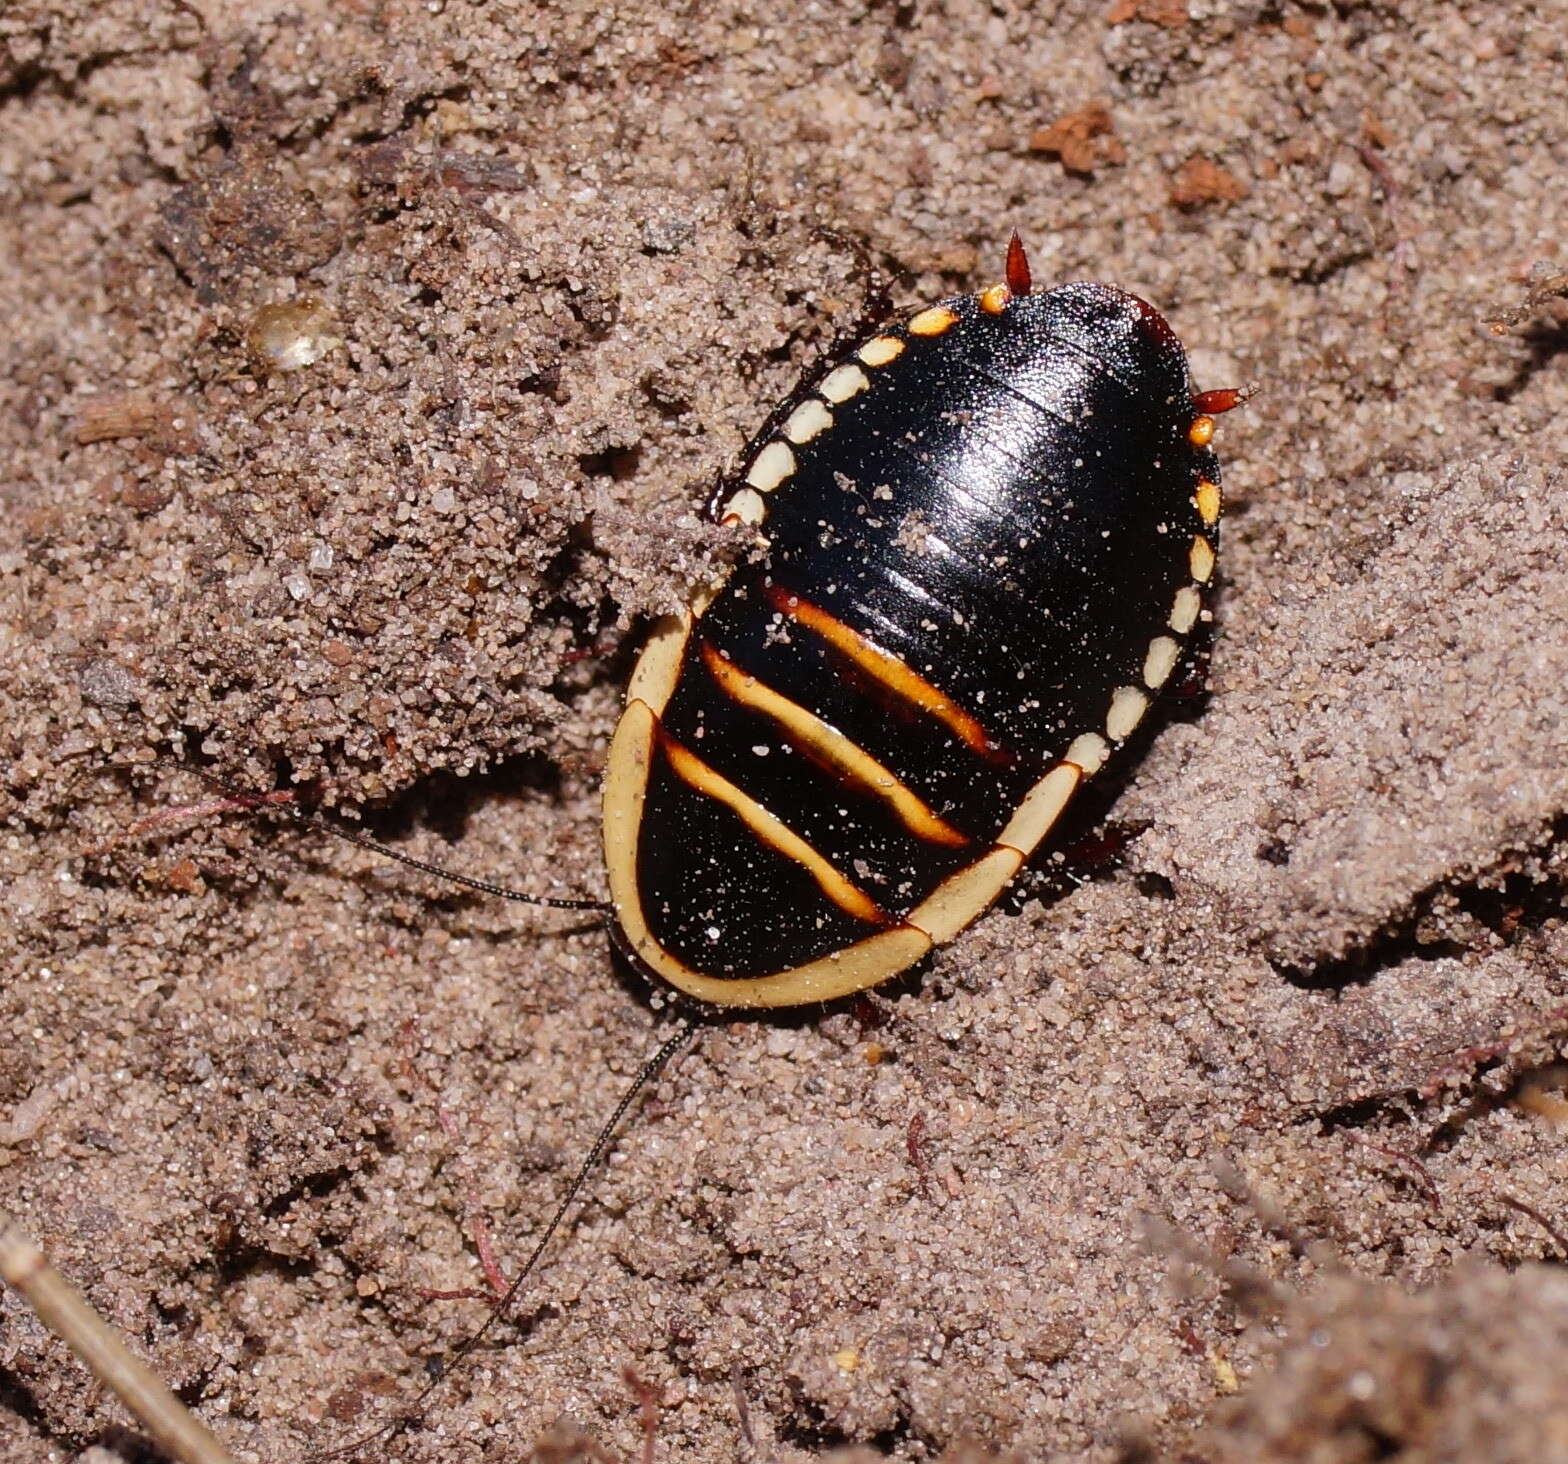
[[1247, 1149]]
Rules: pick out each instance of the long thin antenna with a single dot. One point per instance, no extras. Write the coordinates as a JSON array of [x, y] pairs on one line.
[[316, 820], [424, 866], [648, 1072]]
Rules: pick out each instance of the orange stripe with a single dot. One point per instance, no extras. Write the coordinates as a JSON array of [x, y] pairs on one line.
[[851, 762], [771, 830], [897, 676]]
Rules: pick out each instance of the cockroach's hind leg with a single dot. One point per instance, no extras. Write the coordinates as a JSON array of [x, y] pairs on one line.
[[876, 300]]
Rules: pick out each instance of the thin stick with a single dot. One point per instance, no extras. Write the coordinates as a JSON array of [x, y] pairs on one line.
[[66, 1313]]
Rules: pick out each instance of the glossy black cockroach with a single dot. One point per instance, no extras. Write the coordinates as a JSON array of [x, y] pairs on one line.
[[985, 535]]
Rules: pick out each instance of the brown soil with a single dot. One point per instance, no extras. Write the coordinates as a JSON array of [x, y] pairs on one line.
[[1260, 1085]]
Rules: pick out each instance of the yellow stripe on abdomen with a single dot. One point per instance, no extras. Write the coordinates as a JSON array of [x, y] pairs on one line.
[[848, 760], [769, 830], [896, 676]]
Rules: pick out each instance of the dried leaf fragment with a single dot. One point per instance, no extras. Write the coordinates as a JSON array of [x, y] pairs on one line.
[[1201, 180], [1084, 140]]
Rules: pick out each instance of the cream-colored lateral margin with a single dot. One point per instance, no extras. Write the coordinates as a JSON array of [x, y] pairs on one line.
[[962, 896], [881, 351], [659, 666], [1160, 661], [935, 321], [1088, 753], [625, 792], [745, 506], [865, 964], [1185, 609], [843, 382], [1042, 806], [810, 419], [1128, 705], [1208, 502], [771, 466]]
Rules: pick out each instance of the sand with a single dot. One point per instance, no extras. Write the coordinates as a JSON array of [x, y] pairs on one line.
[[1247, 1148]]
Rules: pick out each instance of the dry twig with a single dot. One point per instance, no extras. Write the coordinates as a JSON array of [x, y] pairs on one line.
[[24, 1267]]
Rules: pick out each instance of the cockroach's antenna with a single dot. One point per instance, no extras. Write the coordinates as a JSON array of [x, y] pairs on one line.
[[406, 1416], [239, 798]]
